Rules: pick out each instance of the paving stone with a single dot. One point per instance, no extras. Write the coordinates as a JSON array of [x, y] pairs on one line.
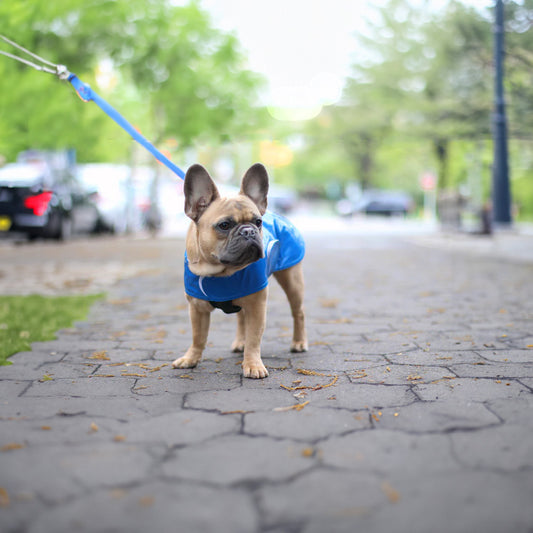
[[514, 411], [503, 448], [81, 387], [436, 417], [432, 358], [479, 390], [114, 356], [528, 382], [359, 396], [386, 452], [55, 431], [109, 463], [392, 374], [237, 459], [239, 400], [488, 370], [46, 473], [508, 356], [332, 494], [159, 505], [34, 358], [179, 428], [308, 425], [13, 388], [65, 345], [452, 502]]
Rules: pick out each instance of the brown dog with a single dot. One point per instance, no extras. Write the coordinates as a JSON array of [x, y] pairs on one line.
[[232, 246]]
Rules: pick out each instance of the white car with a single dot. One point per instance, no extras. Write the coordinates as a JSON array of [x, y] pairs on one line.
[[117, 194]]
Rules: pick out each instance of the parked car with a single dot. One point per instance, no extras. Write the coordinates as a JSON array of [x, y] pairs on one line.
[[281, 199], [122, 195], [38, 201], [377, 202]]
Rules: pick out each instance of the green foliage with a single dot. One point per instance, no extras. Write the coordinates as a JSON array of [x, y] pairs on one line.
[[420, 99], [183, 78], [27, 319]]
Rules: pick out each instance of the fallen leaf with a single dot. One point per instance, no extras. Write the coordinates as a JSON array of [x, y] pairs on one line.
[[157, 368], [100, 356], [308, 452], [46, 377], [329, 303], [311, 373], [93, 428], [4, 498], [119, 438], [120, 301], [118, 493], [392, 494], [146, 501], [46, 428], [12, 446], [296, 407]]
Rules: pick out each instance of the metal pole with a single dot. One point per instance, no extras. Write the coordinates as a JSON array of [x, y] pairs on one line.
[[501, 193]]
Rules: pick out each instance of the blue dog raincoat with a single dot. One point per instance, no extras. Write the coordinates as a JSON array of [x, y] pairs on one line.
[[283, 247]]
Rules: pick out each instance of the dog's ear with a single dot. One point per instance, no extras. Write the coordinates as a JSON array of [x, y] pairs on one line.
[[200, 191], [255, 186]]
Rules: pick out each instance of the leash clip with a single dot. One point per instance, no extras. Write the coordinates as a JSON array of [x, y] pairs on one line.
[[62, 72]]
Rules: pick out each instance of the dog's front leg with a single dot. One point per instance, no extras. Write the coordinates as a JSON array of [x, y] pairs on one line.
[[254, 307], [200, 315]]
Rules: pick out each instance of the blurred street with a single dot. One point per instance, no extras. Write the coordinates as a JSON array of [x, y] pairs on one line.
[[411, 412]]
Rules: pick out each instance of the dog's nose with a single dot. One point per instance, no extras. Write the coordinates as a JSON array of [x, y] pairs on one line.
[[248, 232]]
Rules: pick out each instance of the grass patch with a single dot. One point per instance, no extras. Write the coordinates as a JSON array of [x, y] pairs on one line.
[[27, 319]]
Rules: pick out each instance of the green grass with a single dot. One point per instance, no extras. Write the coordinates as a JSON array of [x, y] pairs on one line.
[[27, 319]]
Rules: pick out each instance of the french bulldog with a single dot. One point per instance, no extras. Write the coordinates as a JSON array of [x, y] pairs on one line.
[[232, 246]]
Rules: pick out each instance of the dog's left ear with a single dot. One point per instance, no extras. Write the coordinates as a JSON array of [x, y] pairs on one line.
[[255, 186]]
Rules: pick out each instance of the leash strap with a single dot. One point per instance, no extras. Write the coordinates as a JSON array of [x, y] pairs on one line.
[[87, 94]]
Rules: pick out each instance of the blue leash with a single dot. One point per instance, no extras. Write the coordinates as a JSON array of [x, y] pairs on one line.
[[87, 94]]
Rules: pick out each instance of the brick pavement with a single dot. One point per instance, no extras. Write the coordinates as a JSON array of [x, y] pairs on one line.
[[412, 411]]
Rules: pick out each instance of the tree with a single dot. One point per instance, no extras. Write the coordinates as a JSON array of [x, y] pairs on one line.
[[428, 77], [184, 79]]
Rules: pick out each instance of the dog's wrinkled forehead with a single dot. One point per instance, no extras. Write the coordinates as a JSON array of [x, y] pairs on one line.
[[241, 208]]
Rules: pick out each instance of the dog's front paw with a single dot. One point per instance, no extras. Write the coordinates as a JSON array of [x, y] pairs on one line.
[[299, 346], [185, 362], [256, 370]]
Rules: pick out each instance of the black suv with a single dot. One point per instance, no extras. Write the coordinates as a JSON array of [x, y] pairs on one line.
[[39, 201]]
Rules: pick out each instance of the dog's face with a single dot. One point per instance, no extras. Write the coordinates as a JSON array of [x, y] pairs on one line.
[[226, 233]]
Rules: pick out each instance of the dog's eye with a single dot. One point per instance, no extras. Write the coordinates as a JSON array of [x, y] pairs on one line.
[[258, 222], [225, 225]]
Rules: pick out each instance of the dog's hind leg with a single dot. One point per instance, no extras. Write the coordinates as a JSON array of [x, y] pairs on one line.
[[291, 281], [238, 344]]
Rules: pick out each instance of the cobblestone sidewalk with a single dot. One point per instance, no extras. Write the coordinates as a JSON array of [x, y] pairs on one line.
[[412, 411]]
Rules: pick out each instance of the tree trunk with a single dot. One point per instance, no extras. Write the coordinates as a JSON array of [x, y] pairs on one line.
[[441, 147]]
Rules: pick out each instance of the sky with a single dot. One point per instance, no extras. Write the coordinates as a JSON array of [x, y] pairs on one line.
[[304, 48]]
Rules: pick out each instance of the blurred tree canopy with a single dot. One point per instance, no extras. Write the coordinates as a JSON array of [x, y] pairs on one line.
[[171, 74], [420, 98]]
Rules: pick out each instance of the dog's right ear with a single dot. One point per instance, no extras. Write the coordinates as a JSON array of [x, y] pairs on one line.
[[200, 191]]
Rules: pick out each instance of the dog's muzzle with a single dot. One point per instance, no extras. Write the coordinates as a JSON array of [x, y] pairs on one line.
[[244, 246]]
